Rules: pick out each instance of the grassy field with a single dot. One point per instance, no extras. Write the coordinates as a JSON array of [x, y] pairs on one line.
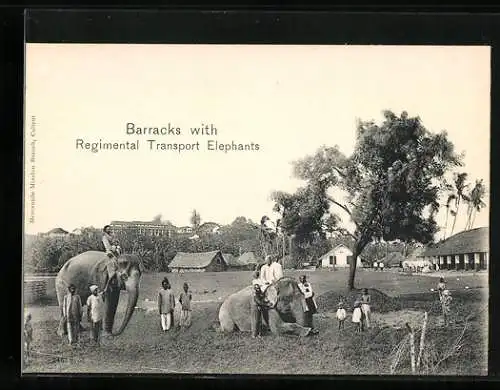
[[397, 299]]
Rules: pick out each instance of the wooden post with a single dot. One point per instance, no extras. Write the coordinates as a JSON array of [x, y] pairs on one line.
[[412, 348], [422, 341]]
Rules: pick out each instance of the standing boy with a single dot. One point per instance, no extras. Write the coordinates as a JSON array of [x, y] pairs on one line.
[[446, 306], [441, 287], [341, 314], [28, 336], [185, 300], [357, 316], [166, 304], [95, 313], [72, 313]]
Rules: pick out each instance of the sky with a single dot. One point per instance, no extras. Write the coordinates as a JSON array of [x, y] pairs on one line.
[[289, 100]]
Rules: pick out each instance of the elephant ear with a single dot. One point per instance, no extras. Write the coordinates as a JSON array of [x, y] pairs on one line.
[[98, 275], [272, 295]]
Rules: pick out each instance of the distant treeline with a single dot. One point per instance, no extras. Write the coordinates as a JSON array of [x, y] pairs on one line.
[[44, 253], [47, 254]]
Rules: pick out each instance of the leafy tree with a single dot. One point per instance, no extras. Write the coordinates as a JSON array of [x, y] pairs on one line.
[[388, 188], [157, 218]]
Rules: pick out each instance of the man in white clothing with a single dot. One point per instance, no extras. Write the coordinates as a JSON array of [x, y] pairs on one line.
[[266, 273], [95, 312], [276, 270]]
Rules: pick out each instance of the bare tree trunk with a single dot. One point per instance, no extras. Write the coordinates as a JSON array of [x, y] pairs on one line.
[[455, 217], [358, 248], [473, 219], [352, 272], [422, 341], [446, 223], [469, 217]]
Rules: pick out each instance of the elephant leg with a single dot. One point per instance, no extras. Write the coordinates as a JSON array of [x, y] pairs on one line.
[[226, 322], [256, 320], [278, 326], [112, 298]]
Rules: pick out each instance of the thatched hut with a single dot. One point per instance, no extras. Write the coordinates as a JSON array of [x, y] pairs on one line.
[[198, 262]]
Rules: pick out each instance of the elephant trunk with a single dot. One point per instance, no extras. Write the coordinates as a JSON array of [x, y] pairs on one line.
[[132, 288]]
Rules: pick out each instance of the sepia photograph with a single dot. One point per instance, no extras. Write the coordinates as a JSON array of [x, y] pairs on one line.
[[256, 209]]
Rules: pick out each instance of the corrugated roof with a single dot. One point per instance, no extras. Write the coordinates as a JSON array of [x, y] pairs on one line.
[[193, 260], [469, 241], [230, 259], [248, 258]]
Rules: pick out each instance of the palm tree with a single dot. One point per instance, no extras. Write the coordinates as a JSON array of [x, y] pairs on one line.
[[451, 198], [476, 203], [460, 187]]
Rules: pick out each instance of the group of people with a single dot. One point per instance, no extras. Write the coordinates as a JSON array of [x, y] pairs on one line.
[[72, 313], [361, 314], [166, 305], [378, 265], [270, 272]]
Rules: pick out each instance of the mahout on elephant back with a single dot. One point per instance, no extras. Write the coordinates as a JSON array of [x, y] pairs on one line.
[[285, 311]]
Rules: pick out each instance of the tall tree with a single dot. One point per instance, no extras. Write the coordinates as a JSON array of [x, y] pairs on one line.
[[451, 198], [157, 218], [461, 185], [475, 203], [389, 187]]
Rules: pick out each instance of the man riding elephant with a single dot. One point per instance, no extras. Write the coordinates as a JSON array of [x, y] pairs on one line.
[[112, 251], [282, 301], [268, 234]]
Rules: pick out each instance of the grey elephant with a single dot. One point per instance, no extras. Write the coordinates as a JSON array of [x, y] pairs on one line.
[[89, 268], [285, 312]]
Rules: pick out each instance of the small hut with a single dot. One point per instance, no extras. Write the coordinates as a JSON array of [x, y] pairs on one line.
[[198, 262], [247, 261]]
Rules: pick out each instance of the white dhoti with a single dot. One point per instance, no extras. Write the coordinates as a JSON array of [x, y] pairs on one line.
[[365, 308]]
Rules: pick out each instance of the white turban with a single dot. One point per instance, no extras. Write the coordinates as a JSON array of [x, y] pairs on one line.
[[93, 288]]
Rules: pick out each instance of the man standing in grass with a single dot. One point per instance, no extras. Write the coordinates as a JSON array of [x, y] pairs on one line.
[[166, 304], [308, 304], [185, 300], [95, 313], [72, 313], [365, 306], [257, 309]]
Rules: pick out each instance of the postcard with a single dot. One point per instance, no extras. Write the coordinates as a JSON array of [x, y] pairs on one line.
[[256, 209]]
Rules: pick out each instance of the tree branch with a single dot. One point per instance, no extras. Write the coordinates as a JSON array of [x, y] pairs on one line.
[[340, 205], [344, 231], [343, 207], [342, 174]]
